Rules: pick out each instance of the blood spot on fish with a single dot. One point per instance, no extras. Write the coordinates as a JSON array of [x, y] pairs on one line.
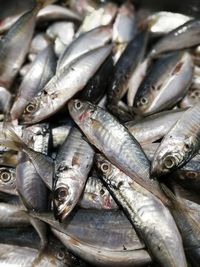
[[107, 202], [177, 68], [83, 116]]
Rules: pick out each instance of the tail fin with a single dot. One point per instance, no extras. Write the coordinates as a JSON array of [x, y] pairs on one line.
[[10, 139]]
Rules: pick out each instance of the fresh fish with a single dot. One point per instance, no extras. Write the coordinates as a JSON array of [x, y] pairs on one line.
[[99, 17], [180, 144], [13, 215], [24, 69], [154, 127], [97, 85], [67, 82], [42, 163], [14, 46], [8, 180], [39, 42], [125, 66], [150, 217], [19, 256], [85, 43], [72, 165], [187, 216], [101, 256], [29, 184], [56, 12], [124, 27], [114, 140], [135, 80], [184, 36], [41, 71], [118, 50], [96, 196], [163, 22], [166, 82], [62, 33]]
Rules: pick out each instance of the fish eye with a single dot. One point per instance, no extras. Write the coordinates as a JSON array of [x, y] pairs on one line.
[[144, 101], [5, 176], [78, 105], [30, 108], [61, 193], [60, 255], [105, 167], [169, 162]]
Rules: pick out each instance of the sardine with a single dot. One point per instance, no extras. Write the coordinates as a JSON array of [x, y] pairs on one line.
[[84, 43], [125, 66], [166, 82], [124, 27], [72, 165], [67, 82], [154, 127], [114, 140], [163, 22], [150, 217], [184, 36], [39, 42], [41, 71], [180, 144]]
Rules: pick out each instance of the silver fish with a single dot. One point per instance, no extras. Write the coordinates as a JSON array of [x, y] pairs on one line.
[[124, 27], [180, 144], [39, 42], [165, 84], [184, 36], [163, 22], [67, 82], [72, 165], [41, 71], [114, 140], [149, 216], [85, 43], [153, 127]]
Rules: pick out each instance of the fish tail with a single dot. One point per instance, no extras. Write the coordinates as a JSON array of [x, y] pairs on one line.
[[10, 139]]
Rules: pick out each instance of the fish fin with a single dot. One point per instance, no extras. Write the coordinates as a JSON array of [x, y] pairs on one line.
[[10, 139]]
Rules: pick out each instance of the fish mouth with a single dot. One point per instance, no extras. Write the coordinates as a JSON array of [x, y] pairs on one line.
[[61, 212]]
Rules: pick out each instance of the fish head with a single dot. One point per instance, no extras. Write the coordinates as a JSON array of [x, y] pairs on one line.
[[169, 157], [143, 102], [39, 108], [66, 194], [81, 111], [7, 179]]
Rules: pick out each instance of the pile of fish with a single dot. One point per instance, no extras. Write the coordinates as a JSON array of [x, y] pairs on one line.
[[99, 136]]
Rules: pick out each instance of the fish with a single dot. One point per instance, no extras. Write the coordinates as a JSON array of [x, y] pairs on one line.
[[96, 196], [162, 22], [56, 12], [42, 163], [166, 83], [179, 145], [15, 44], [62, 33], [84, 43], [151, 219], [63, 85], [124, 27], [153, 127], [39, 42], [97, 85], [72, 165], [104, 15], [184, 36], [114, 141], [187, 215], [125, 66], [40, 72]]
